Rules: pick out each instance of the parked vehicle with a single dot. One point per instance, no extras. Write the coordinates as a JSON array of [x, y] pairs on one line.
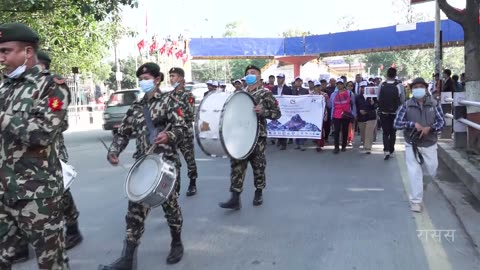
[[117, 107]]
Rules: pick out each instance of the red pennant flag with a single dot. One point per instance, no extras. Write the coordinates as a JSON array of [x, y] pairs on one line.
[[163, 48], [141, 44], [185, 58], [170, 51], [153, 47], [179, 54]]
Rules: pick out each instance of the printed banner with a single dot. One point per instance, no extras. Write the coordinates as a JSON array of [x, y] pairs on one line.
[[302, 117]]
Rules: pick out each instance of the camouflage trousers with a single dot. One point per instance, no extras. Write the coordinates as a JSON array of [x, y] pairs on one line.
[[70, 211], [188, 151], [138, 212], [257, 161], [41, 221]]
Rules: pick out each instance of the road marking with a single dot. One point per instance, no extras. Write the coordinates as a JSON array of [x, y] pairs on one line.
[[436, 255], [365, 189]]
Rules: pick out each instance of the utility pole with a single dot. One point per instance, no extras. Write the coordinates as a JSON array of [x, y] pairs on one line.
[[118, 74], [438, 42]]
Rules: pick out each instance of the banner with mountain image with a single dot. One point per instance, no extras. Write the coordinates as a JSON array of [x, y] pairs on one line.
[[302, 117]]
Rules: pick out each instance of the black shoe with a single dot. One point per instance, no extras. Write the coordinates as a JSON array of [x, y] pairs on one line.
[[73, 236], [344, 149], [234, 202], [21, 255], [192, 190], [126, 261], [336, 151], [176, 249], [387, 157], [258, 199]]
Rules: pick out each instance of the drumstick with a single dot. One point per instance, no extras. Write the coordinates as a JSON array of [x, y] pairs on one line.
[[106, 147], [154, 146]]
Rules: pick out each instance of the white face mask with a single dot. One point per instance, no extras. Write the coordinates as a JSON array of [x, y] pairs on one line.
[[19, 70]]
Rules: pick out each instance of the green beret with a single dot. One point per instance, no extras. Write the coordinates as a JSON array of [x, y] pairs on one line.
[[252, 67], [17, 32], [149, 68], [43, 56], [178, 71]]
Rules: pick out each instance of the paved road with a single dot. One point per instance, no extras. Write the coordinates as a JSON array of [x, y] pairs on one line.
[[321, 211]]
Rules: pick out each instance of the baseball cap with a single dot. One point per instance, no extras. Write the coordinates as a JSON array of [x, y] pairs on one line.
[[363, 83], [281, 75], [340, 80], [316, 83]]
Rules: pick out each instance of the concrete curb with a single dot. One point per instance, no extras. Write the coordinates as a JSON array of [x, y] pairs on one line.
[[462, 168]]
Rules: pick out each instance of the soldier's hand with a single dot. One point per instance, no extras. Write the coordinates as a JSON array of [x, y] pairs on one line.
[[258, 109], [418, 127], [162, 138], [113, 159]]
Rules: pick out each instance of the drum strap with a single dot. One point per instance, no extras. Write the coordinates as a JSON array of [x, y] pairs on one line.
[[152, 131]]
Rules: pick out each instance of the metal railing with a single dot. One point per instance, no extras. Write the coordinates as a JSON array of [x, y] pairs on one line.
[[464, 102]]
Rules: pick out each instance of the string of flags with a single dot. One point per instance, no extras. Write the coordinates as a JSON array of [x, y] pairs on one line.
[[176, 47]]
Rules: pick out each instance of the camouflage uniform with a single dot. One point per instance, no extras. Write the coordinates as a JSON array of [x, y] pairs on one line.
[[257, 157], [33, 109], [187, 103], [164, 110]]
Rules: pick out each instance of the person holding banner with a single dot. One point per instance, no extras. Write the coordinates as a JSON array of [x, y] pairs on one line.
[[266, 108], [343, 113], [279, 90], [317, 90], [366, 116]]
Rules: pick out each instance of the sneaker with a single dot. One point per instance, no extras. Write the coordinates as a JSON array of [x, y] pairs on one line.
[[350, 144], [387, 156], [392, 155], [416, 207]]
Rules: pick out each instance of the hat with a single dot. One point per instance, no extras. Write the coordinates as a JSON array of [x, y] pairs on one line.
[[178, 71], [43, 56], [242, 79], [239, 81], [214, 83], [149, 68], [17, 32], [223, 84], [419, 81], [309, 80], [340, 80], [363, 83], [298, 78], [281, 75], [316, 83], [252, 67], [209, 82]]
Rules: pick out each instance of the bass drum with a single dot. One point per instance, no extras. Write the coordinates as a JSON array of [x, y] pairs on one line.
[[226, 125]]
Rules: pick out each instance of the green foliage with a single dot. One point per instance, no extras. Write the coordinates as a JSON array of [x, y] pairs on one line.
[[295, 33], [128, 68], [76, 33]]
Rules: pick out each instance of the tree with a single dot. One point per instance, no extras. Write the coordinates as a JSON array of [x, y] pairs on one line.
[[235, 29], [295, 33], [468, 18], [128, 68]]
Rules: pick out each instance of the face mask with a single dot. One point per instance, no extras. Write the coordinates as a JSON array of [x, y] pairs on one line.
[[418, 93], [19, 70], [175, 85], [251, 79], [147, 85]]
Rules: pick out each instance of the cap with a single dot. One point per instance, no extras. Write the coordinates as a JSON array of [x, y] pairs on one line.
[[363, 83], [17, 32], [252, 67], [309, 80], [43, 56], [298, 78], [223, 84], [340, 80], [281, 75], [209, 82], [215, 83], [237, 81], [419, 81], [178, 71], [149, 68], [316, 83]]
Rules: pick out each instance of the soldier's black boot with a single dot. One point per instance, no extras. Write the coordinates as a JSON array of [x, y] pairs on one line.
[[21, 254], [127, 260], [176, 248], [74, 237], [258, 199], [234, 202], [192, 188]]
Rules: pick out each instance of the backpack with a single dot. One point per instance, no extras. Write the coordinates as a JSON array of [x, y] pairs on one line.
[[389, 97]]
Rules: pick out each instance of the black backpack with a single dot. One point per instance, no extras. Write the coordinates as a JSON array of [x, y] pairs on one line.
[[389, 97]]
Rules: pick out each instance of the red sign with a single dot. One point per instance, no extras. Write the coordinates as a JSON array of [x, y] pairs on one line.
[[413, 2]]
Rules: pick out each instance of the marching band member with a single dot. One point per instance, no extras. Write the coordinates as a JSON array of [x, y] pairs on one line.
[[187, 101], [266, 108], [146, 117]]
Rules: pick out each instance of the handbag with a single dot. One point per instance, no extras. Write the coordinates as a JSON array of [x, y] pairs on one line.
[[347, 116]]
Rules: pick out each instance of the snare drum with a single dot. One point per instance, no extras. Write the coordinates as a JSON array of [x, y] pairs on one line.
[[151, 180], [226, 125], [69, 174]]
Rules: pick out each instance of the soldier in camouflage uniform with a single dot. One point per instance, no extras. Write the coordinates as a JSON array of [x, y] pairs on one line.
[[70, 212], [163, 110], [266, 108], [187, 101], [33, 109]]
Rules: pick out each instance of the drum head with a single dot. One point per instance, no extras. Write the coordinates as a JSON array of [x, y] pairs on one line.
[[239, 126], [143, 178]]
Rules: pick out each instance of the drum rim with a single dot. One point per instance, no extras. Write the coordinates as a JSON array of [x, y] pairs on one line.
[[127, 180], [197, 130]]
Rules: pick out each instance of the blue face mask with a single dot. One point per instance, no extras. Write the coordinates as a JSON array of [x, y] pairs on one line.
[[175, 85], [147, 85], [251, 79], [418, 93]]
